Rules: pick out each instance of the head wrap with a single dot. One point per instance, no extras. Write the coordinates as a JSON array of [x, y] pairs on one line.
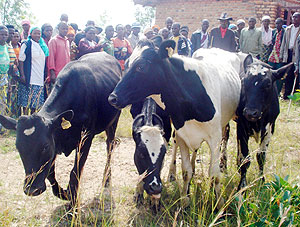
[[266, 18], [155, 26], [25, 22], [71, 30], [147, 30], [42, 43], [240, 21]]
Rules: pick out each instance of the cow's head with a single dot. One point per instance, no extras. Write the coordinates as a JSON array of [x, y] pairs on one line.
[[36, 146], [150, 148], [144, 76], [258, 87]]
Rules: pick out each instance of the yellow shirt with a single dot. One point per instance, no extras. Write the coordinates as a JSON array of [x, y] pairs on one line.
[[176, 41]]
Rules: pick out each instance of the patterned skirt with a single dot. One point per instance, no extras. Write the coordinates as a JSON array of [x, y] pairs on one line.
[[30, 97], [266, 53], [4, 110]]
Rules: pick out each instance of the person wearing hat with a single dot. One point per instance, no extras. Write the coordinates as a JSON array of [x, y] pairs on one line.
[[148, 32], [26, 27], [181, 47], [155, 29], [240, 26], [266, 38], [222, 37], [251, 39], [184, 30], [200, 37], [134, 38]]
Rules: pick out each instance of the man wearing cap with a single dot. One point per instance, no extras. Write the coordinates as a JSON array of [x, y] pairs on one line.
[[240, 26], [134, 38], [287, 53], [200, 37], [181, 43], [148, 32], [251, 39], [266, 38], [26, 27], [222, 37], [184, 30]]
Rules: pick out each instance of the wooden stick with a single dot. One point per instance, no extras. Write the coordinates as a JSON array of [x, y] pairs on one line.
[[292, 93]]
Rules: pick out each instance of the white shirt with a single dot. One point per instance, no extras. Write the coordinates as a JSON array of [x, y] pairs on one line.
[[37, 63], [293, 37], [205, 42]]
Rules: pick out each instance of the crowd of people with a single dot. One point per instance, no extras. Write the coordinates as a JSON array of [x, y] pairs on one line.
[[31, 59]]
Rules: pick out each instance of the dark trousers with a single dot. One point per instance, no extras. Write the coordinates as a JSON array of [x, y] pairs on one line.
[[289, 81]]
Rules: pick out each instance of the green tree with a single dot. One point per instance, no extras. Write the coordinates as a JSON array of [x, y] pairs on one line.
[[145, 15], [13, 11], [104, 19]]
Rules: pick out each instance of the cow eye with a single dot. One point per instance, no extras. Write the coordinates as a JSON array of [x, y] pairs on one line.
[[139, 68]]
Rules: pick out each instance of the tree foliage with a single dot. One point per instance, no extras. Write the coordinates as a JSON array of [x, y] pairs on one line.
[[145, 15], [13, 11], [104, 19]]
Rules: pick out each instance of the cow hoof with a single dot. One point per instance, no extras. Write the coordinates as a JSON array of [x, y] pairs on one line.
[[172, 178], [139, 200], [185, 202]]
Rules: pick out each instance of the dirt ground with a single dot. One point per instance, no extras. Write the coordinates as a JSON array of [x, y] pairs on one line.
[[43, 210]]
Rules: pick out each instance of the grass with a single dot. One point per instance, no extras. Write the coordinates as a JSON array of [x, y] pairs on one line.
[[273, 203]]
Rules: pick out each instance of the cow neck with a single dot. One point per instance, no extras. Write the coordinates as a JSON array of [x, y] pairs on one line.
[[182, 92]]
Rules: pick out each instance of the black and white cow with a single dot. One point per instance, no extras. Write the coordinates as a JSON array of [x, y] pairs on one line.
[[77, 103], [257, 111], [147, 132], [201, 97]]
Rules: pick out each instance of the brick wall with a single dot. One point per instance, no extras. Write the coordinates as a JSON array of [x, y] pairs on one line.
[[192, 12]]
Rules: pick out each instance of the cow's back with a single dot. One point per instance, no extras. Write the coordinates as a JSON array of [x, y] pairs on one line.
[[84, 86]]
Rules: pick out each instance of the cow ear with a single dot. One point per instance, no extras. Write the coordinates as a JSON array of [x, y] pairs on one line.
[[279, 73], [166, 49], [8, 122], [248, 61], [138, 121], [63, 120]]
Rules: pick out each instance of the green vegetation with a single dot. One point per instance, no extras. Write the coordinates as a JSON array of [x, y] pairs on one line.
[[275, 202]]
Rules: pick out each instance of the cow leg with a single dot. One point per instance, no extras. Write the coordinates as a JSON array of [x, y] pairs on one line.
[[110, 133], [187, 171], [56, 189], [193, 161], [139, 194], [172, 170], [80, 158], [223, 162], [261, 154], [243, 161], [214, 167]]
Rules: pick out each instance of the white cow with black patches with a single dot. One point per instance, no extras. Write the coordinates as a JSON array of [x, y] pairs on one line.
[[201, 97]]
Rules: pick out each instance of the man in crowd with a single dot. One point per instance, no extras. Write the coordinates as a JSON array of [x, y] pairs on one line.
[[106, 42], [251, 39], [26, 27], [222, 37], [287, 53], [169, 23], [134, 38], [181, 43], [266, 33], [59, 51], [200, 37], [122, 48], [240, 26], [184, 30]]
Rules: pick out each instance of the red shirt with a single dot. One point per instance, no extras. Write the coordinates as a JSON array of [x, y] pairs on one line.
[[223, 32]]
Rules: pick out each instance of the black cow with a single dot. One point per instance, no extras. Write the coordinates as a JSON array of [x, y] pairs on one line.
[[76, 110], [147, 132], [257, 111]]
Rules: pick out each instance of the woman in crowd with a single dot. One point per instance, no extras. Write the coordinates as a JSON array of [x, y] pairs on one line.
[[73, 46], [87, 44], [266, 38], [32, 61]]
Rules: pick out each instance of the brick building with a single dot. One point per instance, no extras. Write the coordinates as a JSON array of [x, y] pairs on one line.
[[191, 12]]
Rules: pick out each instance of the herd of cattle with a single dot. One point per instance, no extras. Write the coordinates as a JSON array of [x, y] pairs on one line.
[[198, 95]]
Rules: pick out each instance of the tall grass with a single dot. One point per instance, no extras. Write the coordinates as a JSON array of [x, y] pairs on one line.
[[275, 202]]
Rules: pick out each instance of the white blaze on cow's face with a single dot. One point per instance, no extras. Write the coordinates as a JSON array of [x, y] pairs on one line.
[[29, 131], [258, 69], [153, 140]]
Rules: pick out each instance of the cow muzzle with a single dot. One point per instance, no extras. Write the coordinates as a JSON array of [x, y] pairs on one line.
[[32, 187], [252, 115]]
